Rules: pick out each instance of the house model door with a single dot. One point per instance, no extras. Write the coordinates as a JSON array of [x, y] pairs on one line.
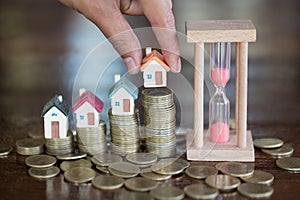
[[158, 78], [126, 105], [91, 118], [55, 129]]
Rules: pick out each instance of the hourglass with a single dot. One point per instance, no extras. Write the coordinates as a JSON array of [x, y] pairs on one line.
[[218, 143]]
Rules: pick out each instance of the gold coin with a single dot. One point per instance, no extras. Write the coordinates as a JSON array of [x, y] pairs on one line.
[[105, 159], [200, 171], [66, 165], [71, 156], [222, 182], [140, 184], [79, 175], [103, 169], [129, 195], [185, 164], [284, 151], [122, 174], [259, 177], [289, 163], [141, 158], [42, 173], [236, 169], [167, 192], [267, 143], [40, 161], [154, 176], [125, 167], [30, 146], [253, 190], [201, 191], [171, 169], [5, 149], [107, 182]]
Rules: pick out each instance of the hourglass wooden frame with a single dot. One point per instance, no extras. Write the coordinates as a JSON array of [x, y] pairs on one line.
[[240, 146]]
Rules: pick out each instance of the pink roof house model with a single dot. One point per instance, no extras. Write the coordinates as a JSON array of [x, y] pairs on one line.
[[122, 95], [154, 69], [55, 114], [87, 109]]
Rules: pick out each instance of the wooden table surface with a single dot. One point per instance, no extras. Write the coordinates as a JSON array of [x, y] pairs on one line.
[[39, 49]]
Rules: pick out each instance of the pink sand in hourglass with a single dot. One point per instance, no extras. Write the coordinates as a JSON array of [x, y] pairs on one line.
[[220, 76], [219, 132]]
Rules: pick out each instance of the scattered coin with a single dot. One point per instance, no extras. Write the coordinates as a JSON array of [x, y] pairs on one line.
[[167, 192], [200, 171], [253, 190], [185, 164], [5, 149], [141, 158], [36, 134], [140, 184], [259, 177], [284, 151], [130, 195], [103, 169], [236, 169], [40, 161], [66, 165], [289, 163], [122, 174], [43, 173], [222, 182], [201, 191], [267, 143], [107, 182], [171, 169], [105, 159], [30, 146], [71, 156], [124, 167], [79, 175], [220, 164], [154, 176]]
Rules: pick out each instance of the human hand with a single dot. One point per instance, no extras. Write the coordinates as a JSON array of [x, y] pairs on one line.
[[108, 16]]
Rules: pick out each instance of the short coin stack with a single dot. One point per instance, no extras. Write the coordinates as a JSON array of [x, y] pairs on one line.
[[124, 130], [159, 116], [92, 140], [28, 146], [57, 146]]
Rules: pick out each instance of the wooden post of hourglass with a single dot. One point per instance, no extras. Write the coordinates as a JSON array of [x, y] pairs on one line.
[[240, 146]]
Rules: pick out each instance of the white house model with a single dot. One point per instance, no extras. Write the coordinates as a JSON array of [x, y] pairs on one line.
[[154, 69], [87, 109], [55, 114], [122, 95]]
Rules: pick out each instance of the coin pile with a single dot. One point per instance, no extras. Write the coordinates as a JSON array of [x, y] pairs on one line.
[[160, 121], [57, 146], [92, 140], [30, 146], [124, 130]]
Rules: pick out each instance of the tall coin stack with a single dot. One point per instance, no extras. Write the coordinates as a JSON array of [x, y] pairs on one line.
[[92, 140], [124, 130], [160, 121], [58, 146]]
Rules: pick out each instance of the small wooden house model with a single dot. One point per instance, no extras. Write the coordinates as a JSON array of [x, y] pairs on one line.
[[87, 109], [154, 69], [122, 95], [55, 114]]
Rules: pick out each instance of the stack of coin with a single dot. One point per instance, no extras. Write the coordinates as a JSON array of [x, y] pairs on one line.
[[30, 146], [57, 146], [159, 116], [124, 130], [92, 140]]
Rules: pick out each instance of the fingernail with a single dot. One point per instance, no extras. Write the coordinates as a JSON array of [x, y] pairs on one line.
[[131, 65]]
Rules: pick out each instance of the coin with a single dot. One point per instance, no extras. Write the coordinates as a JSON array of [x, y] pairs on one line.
[[236, 169], [122, 174], [289, 163], [171, 169], [154, 176], [79, 175], [42, 173], [66, 165], [129, 195], [125, 167], [253, 190], [107, 182], [5, 149], [185, 164], [222, 182], [105, 159], [141, 158], [200, 171], [71, 156], [40, 161], [267, 143], [167, 192], [259, 177], [201, 191], [58, 146], [284, 151], [30, 146], [140, 184], [103, 169]]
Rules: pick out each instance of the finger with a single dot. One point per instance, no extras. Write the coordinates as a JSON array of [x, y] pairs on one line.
[[160, 15], [130, 7]]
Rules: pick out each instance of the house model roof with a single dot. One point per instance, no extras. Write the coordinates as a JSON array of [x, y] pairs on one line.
[[57, 102], [91, 98], [154, 55], [127, 85]]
